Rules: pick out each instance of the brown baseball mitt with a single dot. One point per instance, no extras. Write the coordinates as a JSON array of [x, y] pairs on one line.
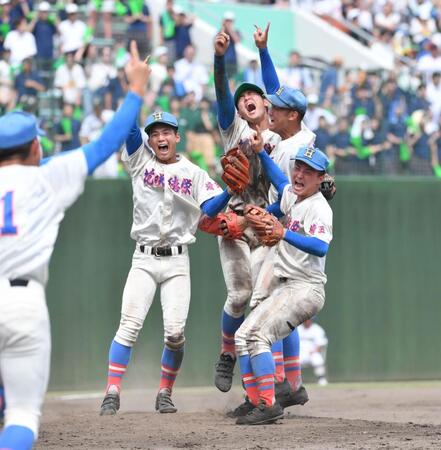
[[268, 229], [328, 188], [236, 170]]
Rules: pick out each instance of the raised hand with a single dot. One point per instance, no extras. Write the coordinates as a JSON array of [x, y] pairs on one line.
[[256, 140], [137, 71], [221, 43], [261, 36]]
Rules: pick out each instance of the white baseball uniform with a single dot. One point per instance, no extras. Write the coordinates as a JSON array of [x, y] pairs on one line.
[[166, 213], [312, 342], [300, 293], [32, 204]]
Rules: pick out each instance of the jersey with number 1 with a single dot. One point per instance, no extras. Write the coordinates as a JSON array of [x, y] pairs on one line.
[[32, 204]]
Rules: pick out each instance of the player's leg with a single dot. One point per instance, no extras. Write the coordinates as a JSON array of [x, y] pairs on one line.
[[236, 266], [24, 363], [175, 301], [138, 296]]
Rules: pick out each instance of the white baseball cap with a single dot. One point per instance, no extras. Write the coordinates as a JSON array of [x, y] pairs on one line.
[[229, 15], [178, 9], [71, 8], [159, 51], [4, 2], [44, 7]]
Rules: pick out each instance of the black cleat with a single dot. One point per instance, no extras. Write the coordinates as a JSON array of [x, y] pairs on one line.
[[285, 396], [261, 415], [223, 372], [164, 402], [110, 405], [241, 410]]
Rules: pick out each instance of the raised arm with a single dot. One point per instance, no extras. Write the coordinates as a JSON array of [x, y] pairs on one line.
[[269, 74], [225, 101], [216, 204]]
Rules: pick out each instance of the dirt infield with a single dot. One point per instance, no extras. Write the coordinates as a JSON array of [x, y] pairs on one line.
[[367, 416]]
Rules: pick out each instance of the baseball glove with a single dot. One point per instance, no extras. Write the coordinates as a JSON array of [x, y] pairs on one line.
[[236, 170], [229, 225], [328, 188], [268, 229]]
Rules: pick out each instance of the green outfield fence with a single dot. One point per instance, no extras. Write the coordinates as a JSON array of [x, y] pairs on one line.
[[382, 312]]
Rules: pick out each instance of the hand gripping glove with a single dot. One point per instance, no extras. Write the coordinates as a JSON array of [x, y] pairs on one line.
[[268, 229], [236, 170]]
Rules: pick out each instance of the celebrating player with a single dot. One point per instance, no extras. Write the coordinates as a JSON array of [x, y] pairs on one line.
[[299, 265], [33, 200], [169, 194]]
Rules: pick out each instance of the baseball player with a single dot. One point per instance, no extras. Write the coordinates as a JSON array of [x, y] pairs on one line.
[[169, 195], [33, 199], [299, 264]]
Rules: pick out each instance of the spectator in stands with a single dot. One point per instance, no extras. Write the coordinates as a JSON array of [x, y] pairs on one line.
[[5, 20], [434, 95], [139, 26], [73, 32], [389, 94], [20, 9], [387, 19], [20, 42], [7, 94], [422, 27], [420, 162], [44, 28], [28, 82], [341, 147], [104, 7], [323, 137], [170, 86], [92, 123], [363, 102], [435, 149], [167, 24], [67, 129], [314, 112], [329, 83], [253, 73], [235, 38], [397, 137], [183, 24], [430, 62], [70, 78], [295, 75], [192, 74], [313, 347], [376, 142], [116, 90], [418, 100], [159, 68]]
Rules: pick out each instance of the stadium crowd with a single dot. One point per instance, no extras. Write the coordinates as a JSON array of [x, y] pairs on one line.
[[59, 60]]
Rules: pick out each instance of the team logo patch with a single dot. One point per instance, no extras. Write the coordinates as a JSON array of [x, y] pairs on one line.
[[280, 90], [309, 153], [157, 116]]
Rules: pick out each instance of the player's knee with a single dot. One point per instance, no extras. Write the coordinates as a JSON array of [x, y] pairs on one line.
[[174, 341], [128, 330], [257, 342], [240, 341], [236, 303]]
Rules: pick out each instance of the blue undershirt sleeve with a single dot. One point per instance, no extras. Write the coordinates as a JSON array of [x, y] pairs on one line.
[[225, 102], [307, 244], [278, 179], [275, 210], [269, 74], [134, 139], [215, 205], [114, 133]]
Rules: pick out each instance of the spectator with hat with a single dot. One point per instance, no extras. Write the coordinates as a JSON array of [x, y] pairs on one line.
[[183, 24], [73, 32], [20, 42]]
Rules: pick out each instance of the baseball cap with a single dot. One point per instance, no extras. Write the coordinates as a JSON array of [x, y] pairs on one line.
[[18, 128], [246, 87], [71, 8], [44, 7], [314, 157], [288, 98], [229, 15], [160, 117]]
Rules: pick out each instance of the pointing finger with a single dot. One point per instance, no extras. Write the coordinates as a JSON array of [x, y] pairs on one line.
[[134, 51]]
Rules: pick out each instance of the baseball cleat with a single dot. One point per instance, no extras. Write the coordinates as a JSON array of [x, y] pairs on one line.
[[223, 372], [164, 402], [285, 396], [110, 404], [262, 414], [241, 410]]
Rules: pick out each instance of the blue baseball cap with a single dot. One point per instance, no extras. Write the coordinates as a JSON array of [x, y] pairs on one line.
[[289, 98], [314, 157], [160, 117], [18, 128]]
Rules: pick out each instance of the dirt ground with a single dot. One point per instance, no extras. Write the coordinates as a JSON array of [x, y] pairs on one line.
[[349, 416]]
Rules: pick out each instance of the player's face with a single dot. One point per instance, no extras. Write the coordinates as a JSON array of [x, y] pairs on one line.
[[251, 107], [163, 140], [305, 180], [280, 119]]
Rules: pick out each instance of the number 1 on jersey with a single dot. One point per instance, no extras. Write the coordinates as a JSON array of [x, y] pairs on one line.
[[7, 228]]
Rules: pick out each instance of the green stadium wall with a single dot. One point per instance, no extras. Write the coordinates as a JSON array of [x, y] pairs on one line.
[[382, 310]]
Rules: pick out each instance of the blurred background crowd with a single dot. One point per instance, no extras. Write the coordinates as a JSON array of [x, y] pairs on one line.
[[64, 62]]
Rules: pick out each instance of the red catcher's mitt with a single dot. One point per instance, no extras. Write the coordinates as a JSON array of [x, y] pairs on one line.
[[268, 229], [229, 225], [236, 170], [328, 188]]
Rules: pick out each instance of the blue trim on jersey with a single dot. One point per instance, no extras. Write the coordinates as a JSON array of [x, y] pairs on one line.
[[172, 359], [225, 101], [307, 244], [134, 139], [277, 178], [263, 364], [230, 324], [114, 133], [119, 354], [291, 344], [215, 205], [275, 210], [269, 74], [16, 437]]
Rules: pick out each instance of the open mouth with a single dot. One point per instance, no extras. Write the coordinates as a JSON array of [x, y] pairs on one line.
[[298, 185], [163, 148], [251, 107]]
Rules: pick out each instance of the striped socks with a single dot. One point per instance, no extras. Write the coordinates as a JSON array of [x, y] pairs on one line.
[[119, 356], [248, 379], [291, 350], [229, 326], [277, 351], [170, 364], [263, 368]]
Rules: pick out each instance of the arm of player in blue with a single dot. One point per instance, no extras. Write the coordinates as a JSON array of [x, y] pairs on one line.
[[278, 179], [269, 74], [275, 210], [114, 133], [308, 244], [134, 139], [225, 101], [215, 205]]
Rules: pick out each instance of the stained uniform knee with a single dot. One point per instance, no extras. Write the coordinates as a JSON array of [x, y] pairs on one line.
[[174, 341], [237, 302], [257, 341]]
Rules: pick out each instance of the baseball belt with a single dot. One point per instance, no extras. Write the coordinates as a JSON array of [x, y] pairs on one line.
[[18, 282], [161, 251]]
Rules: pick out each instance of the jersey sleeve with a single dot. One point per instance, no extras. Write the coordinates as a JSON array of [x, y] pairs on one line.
[[66, 174], [232, 135], [288, 199], [136, 161], [318, 221], [205, 188]]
